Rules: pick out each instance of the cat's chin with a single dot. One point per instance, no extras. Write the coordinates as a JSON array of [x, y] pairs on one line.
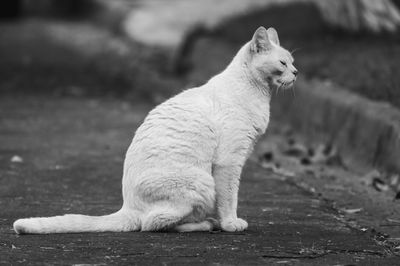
[[280, 83], [274, 84], [288, 85]]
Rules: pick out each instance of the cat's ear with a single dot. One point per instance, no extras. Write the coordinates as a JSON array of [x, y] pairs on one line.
[[273, 36], [260, 41]]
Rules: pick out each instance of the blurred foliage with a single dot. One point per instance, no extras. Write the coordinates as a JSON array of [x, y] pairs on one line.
[[362, 62], [78, 60], [356, 15]]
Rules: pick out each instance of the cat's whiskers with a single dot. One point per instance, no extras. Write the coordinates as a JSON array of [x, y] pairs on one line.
[[278, 88], [282, 85], [295, 50]]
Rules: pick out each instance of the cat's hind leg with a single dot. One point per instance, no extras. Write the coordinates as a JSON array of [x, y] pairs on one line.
[[173, 199], [165, 216], [195, 227], [208, 225]]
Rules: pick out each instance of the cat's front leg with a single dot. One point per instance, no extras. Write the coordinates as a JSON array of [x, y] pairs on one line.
[[227, 179]]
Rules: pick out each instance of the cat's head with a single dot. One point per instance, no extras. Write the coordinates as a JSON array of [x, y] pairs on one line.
[[269, 63]]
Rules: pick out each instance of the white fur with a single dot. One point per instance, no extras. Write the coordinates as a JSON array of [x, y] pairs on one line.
[[184, 163]]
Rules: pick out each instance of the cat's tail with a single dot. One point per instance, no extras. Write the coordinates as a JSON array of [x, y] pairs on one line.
[[123, 220]]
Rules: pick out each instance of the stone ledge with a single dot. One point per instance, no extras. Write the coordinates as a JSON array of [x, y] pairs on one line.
[[365, 131]]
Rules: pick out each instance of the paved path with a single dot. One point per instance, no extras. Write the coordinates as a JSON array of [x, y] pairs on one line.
[[72, 151]]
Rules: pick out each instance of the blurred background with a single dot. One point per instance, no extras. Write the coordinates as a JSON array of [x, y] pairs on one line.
[[148, 50]]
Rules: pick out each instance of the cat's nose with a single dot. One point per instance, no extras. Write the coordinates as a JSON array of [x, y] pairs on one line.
[[295, 72]]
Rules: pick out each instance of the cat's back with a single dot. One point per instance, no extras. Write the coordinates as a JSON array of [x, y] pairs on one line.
[[180, 129], [190, 108]]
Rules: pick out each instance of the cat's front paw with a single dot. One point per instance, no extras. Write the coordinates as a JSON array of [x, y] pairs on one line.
[[234, 225]]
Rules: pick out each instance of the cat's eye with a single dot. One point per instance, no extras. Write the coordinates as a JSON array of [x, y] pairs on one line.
[[283, 62]]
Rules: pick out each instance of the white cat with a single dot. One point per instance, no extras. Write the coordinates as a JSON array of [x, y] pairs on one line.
[[184, 164]]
